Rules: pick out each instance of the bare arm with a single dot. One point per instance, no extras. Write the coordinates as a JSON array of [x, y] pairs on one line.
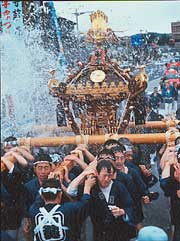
[[166, 171], [73, 186], [162, 150], [86, 152], [20, 159], [8, 163], [77, 160], [24, 152], [171, 159], [89, 183], [168, 155]]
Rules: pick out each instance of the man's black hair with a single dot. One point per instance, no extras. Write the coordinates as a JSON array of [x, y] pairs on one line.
[[110, 142], [52, 183], [105, 164], [10, 141], [116, 149], [107, 152], [10, 138], [40, 157]]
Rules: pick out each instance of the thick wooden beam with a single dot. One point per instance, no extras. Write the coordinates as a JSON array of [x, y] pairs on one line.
[[97, 139], [155, 124]]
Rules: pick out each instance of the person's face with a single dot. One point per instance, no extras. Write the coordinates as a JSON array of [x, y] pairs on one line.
[[129, 155], [167, 85], [155, 90], [105, 177], [42, 171], [148, 109], [120, 159]]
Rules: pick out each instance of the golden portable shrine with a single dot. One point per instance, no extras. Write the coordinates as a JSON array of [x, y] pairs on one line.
[[91, 97]]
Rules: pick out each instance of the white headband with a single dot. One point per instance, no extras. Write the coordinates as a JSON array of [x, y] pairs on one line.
[[11, 143], [37, 162], [49, 189]]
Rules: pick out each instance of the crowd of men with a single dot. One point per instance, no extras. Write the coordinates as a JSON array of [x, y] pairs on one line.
[[99, 198], [168, 96]]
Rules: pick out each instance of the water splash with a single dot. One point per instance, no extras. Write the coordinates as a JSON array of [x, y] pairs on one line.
[[24, 77]]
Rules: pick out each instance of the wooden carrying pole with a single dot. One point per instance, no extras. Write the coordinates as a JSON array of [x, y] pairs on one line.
[[97, 139], [149, 124], [155, 124]]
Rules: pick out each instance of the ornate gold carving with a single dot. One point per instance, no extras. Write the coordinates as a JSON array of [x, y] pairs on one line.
[[99, 86], [98, 90], [98, 30]]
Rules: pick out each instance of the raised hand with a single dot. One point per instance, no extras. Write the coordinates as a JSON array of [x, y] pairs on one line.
[[90, 181]]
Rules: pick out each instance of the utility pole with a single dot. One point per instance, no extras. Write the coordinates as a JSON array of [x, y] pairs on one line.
[[77, 14]]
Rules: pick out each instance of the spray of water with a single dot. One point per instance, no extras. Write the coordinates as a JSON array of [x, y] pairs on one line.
[[24, 76]]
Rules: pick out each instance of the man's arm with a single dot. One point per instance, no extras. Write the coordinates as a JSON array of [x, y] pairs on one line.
[[13, 178], [24, 152], [169, 157], [79, 160], [86, 152], [79, 205], [72, 189], [166, 181]]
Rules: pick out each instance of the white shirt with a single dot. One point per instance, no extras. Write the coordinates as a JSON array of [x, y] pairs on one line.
[[106, 191]]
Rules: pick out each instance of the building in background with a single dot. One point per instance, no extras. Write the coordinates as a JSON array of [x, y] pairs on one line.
[[175, 29]]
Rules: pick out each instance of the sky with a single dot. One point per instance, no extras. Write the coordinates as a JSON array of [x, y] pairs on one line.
[[128, 17]]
